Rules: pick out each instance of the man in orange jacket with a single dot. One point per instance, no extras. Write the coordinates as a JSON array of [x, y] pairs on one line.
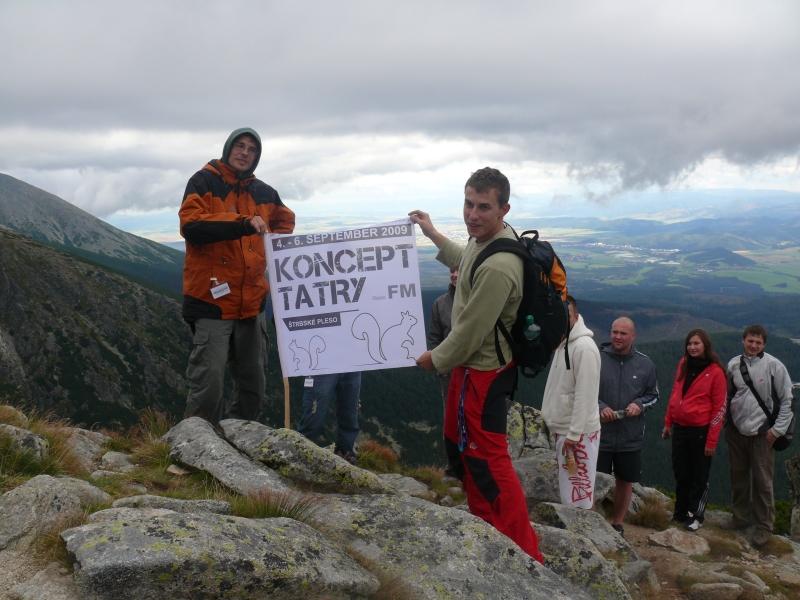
[[224, 214]]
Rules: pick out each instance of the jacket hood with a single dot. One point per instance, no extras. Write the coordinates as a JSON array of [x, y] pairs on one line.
[[580, 330], [226, 150]]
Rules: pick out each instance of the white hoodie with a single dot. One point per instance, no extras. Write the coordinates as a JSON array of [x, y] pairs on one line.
[[570, 404]]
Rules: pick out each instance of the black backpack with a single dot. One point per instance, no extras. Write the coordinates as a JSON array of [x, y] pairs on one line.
[[544, 295]]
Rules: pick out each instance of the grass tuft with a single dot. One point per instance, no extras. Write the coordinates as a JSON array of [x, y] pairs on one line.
[[701, 558], [722, 547], [377, 458], [652, 514], [306, 508], [393, 585], [17, 467], [776, 546]]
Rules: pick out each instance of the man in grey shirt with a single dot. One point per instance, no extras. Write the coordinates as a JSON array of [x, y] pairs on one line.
[[750, 435], [627, 383]]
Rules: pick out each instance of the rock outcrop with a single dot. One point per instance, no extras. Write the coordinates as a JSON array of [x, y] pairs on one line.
[[440, 552], [220, 507], [42, 505], [295, 457], [26, 441], [210, 556], [576, 559], [589, 524], [194, 443]]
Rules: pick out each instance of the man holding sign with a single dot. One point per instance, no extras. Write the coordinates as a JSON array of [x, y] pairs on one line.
[[475, 415], [224, 214]]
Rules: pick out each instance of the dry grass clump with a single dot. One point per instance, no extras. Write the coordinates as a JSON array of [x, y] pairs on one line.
[[432, 477], [306, 508], [49, 545], [722, 547], [17, 467], [10, 415], [377, 458], [393, 586], [776, 546], [652, 514]]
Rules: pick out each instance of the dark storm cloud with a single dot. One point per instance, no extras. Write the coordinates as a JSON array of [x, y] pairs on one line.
[[629, 94]]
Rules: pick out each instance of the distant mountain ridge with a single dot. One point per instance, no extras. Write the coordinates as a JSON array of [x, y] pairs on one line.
[[45, 217]]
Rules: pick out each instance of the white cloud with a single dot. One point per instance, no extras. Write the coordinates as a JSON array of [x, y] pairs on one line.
[[113, 104]]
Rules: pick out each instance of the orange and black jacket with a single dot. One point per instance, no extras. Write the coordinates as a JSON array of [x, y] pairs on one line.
[[222, 247]]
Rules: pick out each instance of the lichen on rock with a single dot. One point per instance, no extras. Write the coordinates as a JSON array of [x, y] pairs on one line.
[[210, 556]]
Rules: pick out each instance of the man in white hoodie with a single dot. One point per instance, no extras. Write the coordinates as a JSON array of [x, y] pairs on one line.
[[570, 410]]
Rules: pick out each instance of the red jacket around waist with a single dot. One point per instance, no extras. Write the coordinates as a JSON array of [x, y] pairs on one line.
[[703, 404]]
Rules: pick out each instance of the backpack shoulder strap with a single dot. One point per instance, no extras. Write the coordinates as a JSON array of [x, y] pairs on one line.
[[500, 245], [746, 376]]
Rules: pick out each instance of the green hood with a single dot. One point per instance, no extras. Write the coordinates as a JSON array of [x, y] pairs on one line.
[[226, 151]]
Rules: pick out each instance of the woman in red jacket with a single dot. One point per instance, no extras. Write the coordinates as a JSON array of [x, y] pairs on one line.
[[694, 418]]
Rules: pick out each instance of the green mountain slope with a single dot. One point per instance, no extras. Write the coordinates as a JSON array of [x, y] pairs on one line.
[[84, 342], [55, 222]]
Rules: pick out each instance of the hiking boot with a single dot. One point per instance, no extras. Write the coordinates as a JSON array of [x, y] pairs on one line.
[[619, 529], [693, 525], [761, 537], [348, 456], [733, 525]]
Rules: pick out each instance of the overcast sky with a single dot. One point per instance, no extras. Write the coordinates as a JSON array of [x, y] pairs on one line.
[[113, 106]]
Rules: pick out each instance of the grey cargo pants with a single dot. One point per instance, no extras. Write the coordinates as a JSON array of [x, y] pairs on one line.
[[244, 344], [752, 468]]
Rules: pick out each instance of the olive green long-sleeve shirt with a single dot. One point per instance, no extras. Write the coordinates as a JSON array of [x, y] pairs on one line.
[[496, 292]]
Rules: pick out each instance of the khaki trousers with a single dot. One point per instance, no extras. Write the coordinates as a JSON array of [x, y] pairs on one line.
[[244, 344], [752, 467]]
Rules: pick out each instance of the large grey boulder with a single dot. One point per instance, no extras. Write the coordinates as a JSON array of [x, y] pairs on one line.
[[749, 591], [42, 505], [538, 474], [26, 441], [247, 436], [211, 556], [576, 559], [98, 438], [193, 442], [646, 492], [51, 583], [410, 486], [86, 492], [220, 507], [441, 552], [640, 571], [119, 462], [86, 450], [526, 431], [680, 541], [589, 524], [715, 591], [127, 514], [296, 457], [604, 485]]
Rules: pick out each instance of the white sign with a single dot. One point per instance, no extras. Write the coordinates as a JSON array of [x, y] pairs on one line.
[[348, 300]]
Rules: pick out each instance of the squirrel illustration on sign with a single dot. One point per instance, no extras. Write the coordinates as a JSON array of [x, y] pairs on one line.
[[393, 344], [309, 358]]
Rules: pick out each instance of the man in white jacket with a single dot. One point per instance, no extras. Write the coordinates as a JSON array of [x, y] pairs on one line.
[[570, 410]]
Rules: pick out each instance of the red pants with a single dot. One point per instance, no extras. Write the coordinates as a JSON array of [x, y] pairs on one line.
[[484, 466]]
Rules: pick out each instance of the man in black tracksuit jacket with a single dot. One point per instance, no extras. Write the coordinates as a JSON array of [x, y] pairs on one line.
[[627, 382]]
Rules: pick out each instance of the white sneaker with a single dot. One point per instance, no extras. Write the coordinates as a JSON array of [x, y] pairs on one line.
[[693, 525]]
